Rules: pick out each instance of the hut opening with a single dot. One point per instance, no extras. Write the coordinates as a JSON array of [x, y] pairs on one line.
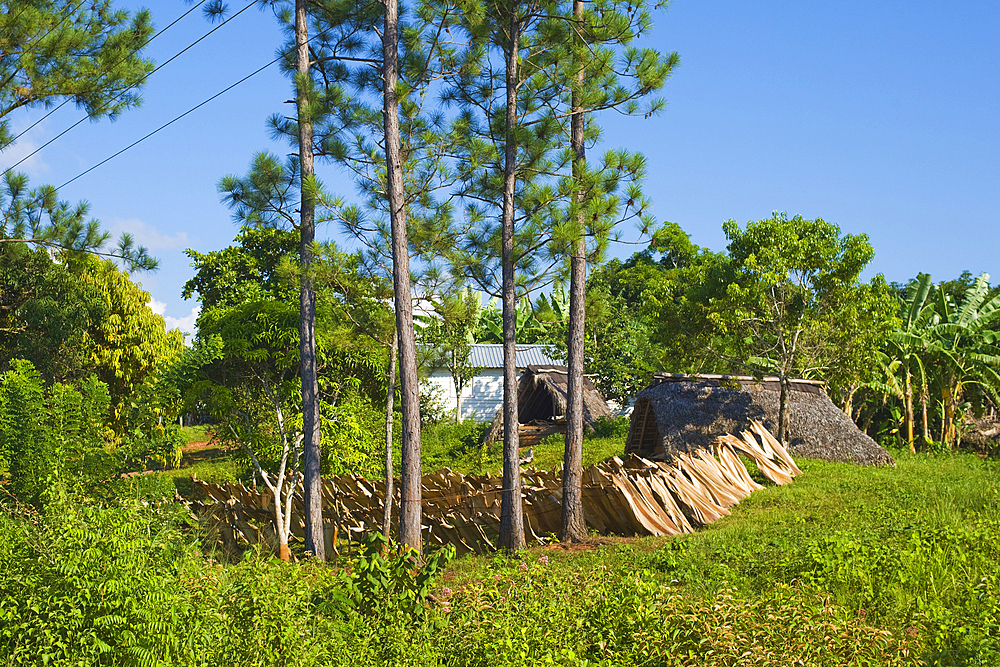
[[541, 405], [682, 413]]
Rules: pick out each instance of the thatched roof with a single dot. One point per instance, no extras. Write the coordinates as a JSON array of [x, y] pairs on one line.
[[541, 396], [684, 413]]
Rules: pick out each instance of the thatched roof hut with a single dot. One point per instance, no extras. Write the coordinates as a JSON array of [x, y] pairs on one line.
[[541, 404], [681, 413]]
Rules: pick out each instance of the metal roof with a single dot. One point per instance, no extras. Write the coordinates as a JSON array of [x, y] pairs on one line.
[[491, 356]]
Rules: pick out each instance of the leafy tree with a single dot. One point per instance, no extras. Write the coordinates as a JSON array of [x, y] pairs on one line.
[[246, 271], [45, 312], [253, 387], [129, 341], [350, 361], [788, 279], [80, 316], [661, 295]]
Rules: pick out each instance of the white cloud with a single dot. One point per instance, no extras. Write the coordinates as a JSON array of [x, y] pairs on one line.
[[148, 235], [34, 166], [157, 307], [185, 324]]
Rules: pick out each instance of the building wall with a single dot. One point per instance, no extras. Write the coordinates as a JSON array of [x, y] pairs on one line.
[[481, 398]]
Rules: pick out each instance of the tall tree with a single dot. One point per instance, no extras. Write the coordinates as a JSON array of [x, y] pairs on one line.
[[312, 484], [409, 511], [597, 82], [129, 341], [507, 151], [395, 152]]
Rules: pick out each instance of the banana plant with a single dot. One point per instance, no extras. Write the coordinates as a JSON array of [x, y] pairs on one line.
[[908, 348], [967, 348]]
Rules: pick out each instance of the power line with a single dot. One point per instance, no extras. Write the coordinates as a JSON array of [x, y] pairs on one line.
[[158, 68], [192, 109], [167, 124], [68, 99]]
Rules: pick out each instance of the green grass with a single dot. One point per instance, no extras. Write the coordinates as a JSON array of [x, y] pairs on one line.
[[196, 433], [456, 446], [844, 566], [912, 550]]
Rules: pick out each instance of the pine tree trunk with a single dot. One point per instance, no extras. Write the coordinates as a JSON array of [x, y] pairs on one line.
[[574, 527], [511, 509], [390, 396], [409, 511], [312, 454]]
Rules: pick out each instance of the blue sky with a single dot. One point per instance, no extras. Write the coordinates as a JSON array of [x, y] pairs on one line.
[[881, 117]]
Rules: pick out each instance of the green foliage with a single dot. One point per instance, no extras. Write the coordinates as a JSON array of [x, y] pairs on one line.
[[84, 586], [433, 403], [129, 342], [37, 218], [943, 357], [649, 313], [446, 444], [51, 440], [92, 58], [846, 566], [447, 337], [246, 271], [192, 434], [46, 313], [393, 586], [611, 427]]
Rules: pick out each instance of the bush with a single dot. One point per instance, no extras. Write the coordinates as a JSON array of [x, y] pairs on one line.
[[51, 440], [611, 427], [433, 404]]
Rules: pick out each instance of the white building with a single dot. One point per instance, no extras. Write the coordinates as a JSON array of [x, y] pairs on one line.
[[484, 394]]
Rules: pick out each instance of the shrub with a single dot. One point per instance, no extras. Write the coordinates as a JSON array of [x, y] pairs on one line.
[[52, 440], [611, 427]]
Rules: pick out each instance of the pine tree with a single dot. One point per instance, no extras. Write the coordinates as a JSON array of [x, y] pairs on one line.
[[603, 73], [87, 52], [396, 152], [509, 137]]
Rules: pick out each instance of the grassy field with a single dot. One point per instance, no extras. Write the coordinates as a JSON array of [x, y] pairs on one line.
[[910, 552], [846, 565], [192, 434]]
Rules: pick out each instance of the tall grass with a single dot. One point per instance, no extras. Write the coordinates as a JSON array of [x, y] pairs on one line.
[[845, 566]]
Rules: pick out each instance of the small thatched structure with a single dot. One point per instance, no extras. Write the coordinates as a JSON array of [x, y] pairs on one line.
[[541, 405], [682, 413]]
